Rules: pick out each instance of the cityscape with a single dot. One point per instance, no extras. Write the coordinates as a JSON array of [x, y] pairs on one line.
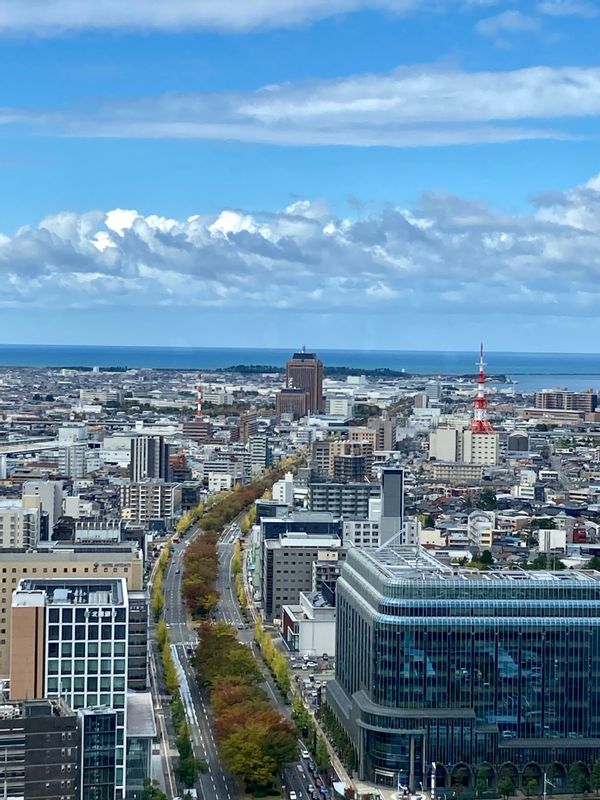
[[310, 582], [299, 400]]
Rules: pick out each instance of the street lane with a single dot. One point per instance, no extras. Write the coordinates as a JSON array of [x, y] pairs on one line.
[[214, 783]]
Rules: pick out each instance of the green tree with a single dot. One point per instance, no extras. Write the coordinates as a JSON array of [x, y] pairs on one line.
[[481, 781], [486, 500], [321, 755], [531, 787], [506, 788], [486, 558], [595, 776], [243, 753], [577, 779], [593, 563], [152, 791]]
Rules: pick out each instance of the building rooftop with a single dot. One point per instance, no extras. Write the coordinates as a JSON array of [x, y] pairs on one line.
[[72, 592], [408, 563], [140, 716]]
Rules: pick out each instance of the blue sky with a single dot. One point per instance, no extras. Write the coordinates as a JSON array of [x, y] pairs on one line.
[[377, 173]]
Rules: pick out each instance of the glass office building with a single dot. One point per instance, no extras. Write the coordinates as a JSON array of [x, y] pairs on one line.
[[493, 674]]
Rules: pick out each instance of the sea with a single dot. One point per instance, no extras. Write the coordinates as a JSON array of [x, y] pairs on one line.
[[530, 371]]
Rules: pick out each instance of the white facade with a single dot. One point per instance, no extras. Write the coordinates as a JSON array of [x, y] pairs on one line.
[[314, 626], [72, 433], [361, 532], [19, 527], [480, 528], [480, 448], [219, 482], [50, 494], [339, 405], [443, 444], [72, 460], [550, 539], [283, 491]]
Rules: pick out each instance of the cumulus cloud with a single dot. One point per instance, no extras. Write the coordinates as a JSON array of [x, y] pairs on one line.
[[409, 107], [446, 255]]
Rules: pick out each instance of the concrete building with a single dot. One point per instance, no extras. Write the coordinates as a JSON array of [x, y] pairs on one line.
[[455, 473], [150, 499], [461, 668], [392, 504], [305, 371], [444, 444], [339, 405], [342, 499], [19, 527], [480, 529], [141, 733], [480, 448], [287, 568], [40, 751], [308, 628], [292, 401], [72, 461], [51, 496], [198, 430], [149, 458], [260, 453], [79, 628], [61, 562], [563, 400], [361, 532], [283, 491]]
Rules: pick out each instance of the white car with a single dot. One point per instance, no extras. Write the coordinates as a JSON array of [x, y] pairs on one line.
[[293, 795]]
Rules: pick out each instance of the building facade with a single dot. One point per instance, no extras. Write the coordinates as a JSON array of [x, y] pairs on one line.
[[40, 751], [305, 371], [58, 561], [494, 674], [70, 640]]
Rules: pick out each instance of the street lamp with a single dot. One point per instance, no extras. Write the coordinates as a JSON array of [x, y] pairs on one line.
[[547, 783]]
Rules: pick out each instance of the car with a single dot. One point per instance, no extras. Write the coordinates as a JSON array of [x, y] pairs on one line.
[[304, 666], [312, 664], [293, 795], [304, 752], [177, 571], [241, 626], [325, 657]]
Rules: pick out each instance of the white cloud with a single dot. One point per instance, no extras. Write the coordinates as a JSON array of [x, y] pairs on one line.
[[568, 8], [409, 107], [510, 21], [52, 17], [449, 255]]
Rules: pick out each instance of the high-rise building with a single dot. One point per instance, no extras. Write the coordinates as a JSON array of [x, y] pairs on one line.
[[150, 499], [70, 640], [62, 562], [392, 504], [39, 751], [292, 401], [100, 733], [149, 458], [563, 400], [494, 673], [305, 371], [19, 527], [260, 453], [342, 499], [50, 494]]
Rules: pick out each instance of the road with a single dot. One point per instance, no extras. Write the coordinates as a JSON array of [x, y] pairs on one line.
[[215, 784]]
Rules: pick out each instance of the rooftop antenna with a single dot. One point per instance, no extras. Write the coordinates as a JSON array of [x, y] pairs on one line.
[[480, 423]]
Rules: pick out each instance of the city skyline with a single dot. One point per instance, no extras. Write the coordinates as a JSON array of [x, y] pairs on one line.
[[376, 160]]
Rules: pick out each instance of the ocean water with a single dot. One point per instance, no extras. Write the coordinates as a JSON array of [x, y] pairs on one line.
[[576, 371]]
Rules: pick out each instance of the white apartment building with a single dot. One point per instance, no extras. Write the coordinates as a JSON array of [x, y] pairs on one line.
[[283, 490], [46, 495], [450, 444], [19, 527], [151, 499], [480, 528]]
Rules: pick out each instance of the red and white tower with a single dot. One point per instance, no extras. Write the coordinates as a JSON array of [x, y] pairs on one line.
[[200, 394], [480, 423]]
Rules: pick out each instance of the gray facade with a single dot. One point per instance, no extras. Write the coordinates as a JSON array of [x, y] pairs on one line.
[[392, 503], [342, 499], [40, 758], [287, 568], [494, 673], [137, 662]]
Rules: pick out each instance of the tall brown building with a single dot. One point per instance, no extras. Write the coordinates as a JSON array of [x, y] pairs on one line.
[[305, 371]]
